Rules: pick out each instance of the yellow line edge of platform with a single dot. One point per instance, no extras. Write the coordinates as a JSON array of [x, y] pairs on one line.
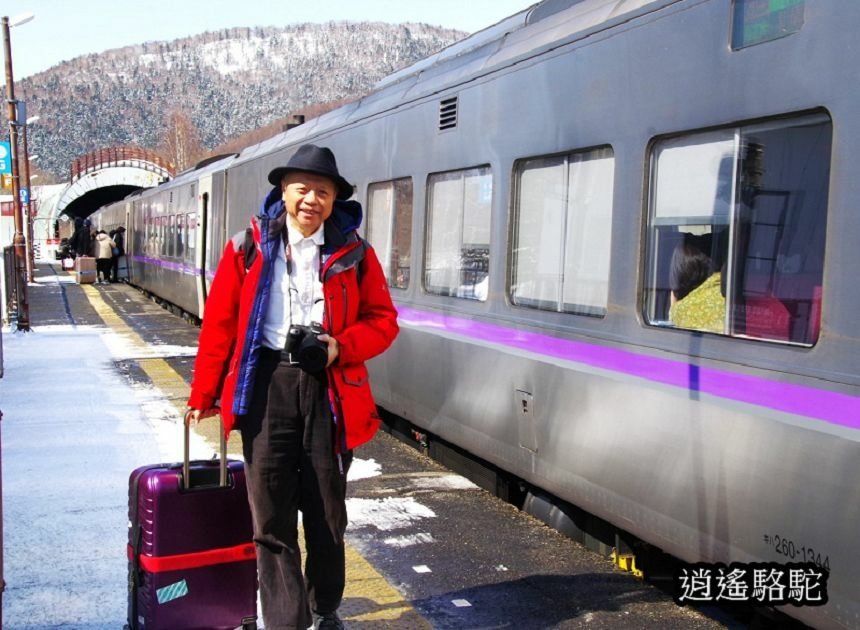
[[368, 596]]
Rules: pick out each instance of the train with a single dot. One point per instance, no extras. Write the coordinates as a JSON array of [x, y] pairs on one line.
[[526, 190]]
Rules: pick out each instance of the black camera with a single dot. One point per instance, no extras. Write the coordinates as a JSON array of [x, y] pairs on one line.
[[304, 347]]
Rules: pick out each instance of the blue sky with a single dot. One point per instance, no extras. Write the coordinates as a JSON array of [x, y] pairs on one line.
[[63, 29]]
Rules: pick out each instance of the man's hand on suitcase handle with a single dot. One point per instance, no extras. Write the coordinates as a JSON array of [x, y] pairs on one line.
[[193, 416]]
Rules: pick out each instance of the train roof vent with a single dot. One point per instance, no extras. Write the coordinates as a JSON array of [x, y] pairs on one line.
[[448, 113]]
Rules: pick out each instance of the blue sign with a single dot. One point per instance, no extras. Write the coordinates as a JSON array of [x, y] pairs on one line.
[[5, 158], [24, 193]]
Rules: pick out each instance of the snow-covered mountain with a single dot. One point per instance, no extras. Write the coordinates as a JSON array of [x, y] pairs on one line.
[[226, 82]]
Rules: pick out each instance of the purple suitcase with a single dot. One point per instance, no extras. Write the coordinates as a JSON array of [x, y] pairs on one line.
[[192, 563]]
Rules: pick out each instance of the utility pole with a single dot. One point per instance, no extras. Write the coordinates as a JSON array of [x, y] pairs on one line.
[[18, 240], [31, 261]]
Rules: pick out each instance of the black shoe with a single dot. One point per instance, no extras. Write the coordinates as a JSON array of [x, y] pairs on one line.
[[327, 621]]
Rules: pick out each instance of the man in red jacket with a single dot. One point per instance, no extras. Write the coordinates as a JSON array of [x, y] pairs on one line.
[[299, 302]]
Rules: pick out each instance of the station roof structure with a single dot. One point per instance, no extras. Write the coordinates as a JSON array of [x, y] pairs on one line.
[[110, 174]]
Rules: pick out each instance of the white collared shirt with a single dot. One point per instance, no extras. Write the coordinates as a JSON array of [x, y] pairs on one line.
[[299, 290]]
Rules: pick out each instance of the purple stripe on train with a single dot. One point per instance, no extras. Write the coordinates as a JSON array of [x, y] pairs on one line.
[[832, 407], [167, 264], [172, 266]]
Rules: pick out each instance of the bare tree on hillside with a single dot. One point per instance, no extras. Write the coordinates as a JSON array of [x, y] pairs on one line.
[[179, 140]]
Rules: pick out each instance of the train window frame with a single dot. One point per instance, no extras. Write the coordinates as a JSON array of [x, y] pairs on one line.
[[472, 269], [395, 253], [751, 226], [576, 206]]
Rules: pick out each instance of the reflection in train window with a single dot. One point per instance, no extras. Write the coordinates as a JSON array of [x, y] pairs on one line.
[[562, 235], [389, 228], [139, 233], [458, 233], [736, 230], [758, 21], [190, 236], [180, 235], [152, 239], [162, 241], [171, 235], [156, 235]]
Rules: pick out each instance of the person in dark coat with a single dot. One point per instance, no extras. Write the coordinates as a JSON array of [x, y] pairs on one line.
[[118, 237], [81, 239]]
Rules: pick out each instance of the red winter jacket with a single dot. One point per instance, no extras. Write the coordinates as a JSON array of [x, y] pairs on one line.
[[358, 313]]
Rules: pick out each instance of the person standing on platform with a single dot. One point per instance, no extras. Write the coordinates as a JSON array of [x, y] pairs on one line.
[[81, 239], [103, 246], [118, 250], [299, 302]]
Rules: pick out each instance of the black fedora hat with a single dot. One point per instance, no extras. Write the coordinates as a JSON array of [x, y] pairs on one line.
[[313, 159]]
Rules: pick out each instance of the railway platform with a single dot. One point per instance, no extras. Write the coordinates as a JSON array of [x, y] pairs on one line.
[[97, 388]]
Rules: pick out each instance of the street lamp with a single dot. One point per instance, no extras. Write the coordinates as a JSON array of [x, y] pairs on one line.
[[18, 240]]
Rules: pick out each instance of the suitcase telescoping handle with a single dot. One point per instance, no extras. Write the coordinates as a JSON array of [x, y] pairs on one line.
[[186, 459]]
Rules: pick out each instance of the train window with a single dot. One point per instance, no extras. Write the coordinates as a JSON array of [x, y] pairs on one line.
[[180, 235], [736, 230], [155, 247], [171, 235], [191, 236], [458, 233], [139, 234], [162, 236], [152, 236], [757, 21], [389, 228], [562, 232]]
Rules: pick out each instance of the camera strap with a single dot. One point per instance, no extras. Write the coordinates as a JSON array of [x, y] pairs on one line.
[[294, 286]]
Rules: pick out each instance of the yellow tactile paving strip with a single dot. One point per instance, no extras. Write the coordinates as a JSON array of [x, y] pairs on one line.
[[368, 597]]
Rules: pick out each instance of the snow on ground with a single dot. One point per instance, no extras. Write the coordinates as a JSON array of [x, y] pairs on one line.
[[387, 514], [73, 429], [71, 434]]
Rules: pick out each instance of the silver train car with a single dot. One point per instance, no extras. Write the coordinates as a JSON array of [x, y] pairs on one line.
[[526, 190]]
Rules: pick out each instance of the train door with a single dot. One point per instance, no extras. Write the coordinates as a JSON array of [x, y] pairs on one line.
[[127, 220], [135, 241], [199, 223]]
